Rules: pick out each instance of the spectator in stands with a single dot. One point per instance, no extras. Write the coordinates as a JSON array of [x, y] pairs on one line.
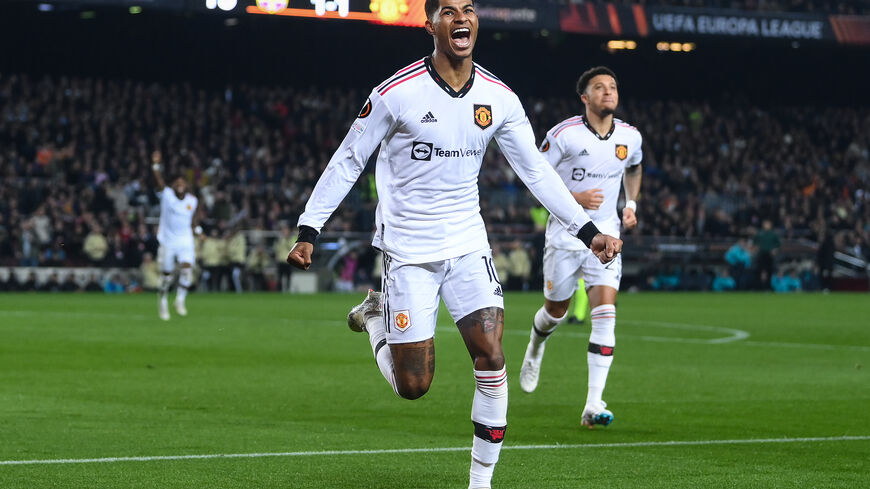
[[213, 260], [258, 261], [782, 283], [31, 284], [520, 271], [69, 284], [96, 246], [280, 249], [55, 256], [113, 284], [93, 284], [739, 257], [11, 284], [809, 277], [150, 272], [502, 264], [767, 241], [709, 175], [236, 256], [51, 285], [723, 281], [347, 272], [825, 257]]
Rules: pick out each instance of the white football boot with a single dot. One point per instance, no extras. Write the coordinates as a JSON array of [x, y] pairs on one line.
[[596, 414], [531, 369], [163, 309], [180, 308], [371, 306]]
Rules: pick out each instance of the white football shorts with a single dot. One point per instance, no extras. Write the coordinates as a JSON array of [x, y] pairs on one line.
[[411, 293], [169, 254], [563, 268]]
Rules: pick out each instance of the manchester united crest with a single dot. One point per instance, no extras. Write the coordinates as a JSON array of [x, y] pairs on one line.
[[402, 320], [621, 151], [483, 116]]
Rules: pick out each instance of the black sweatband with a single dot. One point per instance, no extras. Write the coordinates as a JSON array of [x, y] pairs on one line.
[[605, 351], [587, 233], [542, 334], [307, 234], [492, 434]]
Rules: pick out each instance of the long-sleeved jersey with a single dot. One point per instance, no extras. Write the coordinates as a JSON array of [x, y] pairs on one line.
[[433, 139], [176, 218], [586, 160]]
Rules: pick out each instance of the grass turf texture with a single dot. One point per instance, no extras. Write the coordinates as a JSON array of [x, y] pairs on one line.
[[92, 376]]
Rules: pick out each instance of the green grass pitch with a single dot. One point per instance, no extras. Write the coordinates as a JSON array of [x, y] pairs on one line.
[[93, 376]]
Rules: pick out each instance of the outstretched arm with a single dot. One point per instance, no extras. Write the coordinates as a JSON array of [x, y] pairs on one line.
[[517, 141], [371, 126], [156, 160]]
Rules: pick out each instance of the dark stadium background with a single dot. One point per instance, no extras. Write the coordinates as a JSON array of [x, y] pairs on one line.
[[202, 48], [741, 389], [784, 80]]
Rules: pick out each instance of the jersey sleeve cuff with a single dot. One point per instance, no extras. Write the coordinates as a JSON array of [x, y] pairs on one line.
[[307, 234], [587, 233]]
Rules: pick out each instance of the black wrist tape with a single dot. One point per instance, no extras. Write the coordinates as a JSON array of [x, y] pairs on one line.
[[307, 234], [587, 232]]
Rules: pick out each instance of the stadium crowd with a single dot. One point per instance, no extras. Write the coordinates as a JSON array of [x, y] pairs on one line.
[[76, 188]]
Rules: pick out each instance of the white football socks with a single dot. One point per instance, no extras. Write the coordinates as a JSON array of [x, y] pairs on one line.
[[165, 284], [600, 355], [378, 338], [185, 280], [544, 326], [489, 415]]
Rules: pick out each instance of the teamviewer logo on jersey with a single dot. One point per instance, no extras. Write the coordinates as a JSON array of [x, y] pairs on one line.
[[421, 151], [578, 174]]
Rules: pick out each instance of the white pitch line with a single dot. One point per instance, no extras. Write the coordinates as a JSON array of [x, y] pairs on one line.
[[732, 334], [735, 334], [436, 450]]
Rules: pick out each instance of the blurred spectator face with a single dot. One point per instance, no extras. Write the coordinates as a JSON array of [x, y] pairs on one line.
[[601, 95], [179, 185]]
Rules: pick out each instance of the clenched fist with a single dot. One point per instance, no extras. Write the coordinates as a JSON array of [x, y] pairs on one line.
[[629, 218], [300, 255], [605, 247]]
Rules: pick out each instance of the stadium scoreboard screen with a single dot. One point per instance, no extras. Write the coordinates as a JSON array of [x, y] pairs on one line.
[[391, 12]]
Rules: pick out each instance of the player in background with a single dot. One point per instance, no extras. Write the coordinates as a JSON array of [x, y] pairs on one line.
[[175, 235], [593, 153], [433, 120]]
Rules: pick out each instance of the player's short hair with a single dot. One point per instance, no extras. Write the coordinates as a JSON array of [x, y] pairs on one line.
[[591, 73], [432, 7]]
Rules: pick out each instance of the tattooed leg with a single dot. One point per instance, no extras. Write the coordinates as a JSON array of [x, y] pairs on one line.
[[414, 365], [482, 331]]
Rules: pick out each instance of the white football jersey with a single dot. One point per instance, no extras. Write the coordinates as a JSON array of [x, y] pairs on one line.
[[433, 139], [176, 216], [586, 160]]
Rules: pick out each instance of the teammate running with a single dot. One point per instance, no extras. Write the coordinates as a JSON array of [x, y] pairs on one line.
[[434, 120], [593, 154], [175, 234]]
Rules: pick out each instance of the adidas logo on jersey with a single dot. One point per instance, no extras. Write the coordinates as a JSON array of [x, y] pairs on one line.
[[584, 153], [498, 291], [428, 118]]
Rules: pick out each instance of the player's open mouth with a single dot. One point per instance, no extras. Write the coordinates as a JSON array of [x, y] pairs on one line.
[[461, 37]]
